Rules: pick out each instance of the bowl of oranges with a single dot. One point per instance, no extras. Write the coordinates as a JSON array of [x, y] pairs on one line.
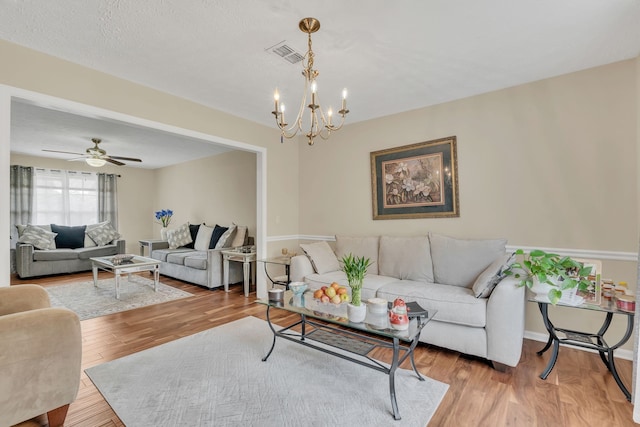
[[334, 293]]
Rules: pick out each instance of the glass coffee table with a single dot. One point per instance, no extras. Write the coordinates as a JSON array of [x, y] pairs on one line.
[[133, 264], [327, 324]]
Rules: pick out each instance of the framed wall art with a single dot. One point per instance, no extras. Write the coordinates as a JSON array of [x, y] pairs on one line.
[[593, 294], [416, 181]]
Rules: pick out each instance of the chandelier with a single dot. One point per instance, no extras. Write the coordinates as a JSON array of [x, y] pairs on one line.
[[320, 124]]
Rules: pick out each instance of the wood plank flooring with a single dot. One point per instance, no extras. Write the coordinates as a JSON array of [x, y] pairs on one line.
[[578, 392]]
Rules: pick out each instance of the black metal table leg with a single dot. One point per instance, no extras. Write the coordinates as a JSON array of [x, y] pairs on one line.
[[273, 344], [392, 379]]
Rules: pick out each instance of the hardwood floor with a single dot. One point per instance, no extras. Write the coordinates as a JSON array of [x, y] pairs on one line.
[[578, 392]]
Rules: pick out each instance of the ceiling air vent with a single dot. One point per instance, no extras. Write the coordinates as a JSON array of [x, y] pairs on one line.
[[285, 52]]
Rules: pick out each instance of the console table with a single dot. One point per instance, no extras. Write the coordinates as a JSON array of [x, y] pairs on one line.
[[589, 340], [327, 324]]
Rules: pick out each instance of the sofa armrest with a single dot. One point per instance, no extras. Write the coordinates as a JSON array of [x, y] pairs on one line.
[[505, 322], [41, 362], [24, 258], [121, 244], [300, 268], [18, 298]]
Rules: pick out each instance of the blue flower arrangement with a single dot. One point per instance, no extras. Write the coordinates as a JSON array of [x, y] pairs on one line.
[[164, 216]]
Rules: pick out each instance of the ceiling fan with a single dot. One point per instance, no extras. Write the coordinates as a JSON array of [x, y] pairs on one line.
[[96, 156]]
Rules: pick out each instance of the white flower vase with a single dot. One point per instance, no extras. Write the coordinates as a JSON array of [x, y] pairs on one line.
[[163, 233], [356, 313]]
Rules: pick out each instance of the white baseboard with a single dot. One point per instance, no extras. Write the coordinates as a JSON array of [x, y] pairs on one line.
[[537, 336]]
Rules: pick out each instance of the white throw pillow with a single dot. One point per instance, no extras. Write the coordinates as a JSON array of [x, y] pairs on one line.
[[226, 239], [459, 262], [406, 258], [38, 237], [360, 247], [179, 236], [240, 237], [102, 233], [491, 276], [322, 257], [203, 238]]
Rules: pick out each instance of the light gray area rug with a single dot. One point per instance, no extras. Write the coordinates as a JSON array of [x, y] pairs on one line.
[[89, 301], [217, 378]]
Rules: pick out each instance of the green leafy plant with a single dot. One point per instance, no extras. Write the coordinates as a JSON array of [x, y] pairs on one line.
[[355, 268], [560, 272]]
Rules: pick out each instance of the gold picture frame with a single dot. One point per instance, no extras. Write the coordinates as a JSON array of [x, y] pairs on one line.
[[416, 181]]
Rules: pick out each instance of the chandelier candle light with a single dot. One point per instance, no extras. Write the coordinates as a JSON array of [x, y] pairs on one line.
[[309, 26]]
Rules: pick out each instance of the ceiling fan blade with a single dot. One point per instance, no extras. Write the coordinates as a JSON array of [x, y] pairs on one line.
[[128, 159], [115, 162], [77, 159], [64, 152]]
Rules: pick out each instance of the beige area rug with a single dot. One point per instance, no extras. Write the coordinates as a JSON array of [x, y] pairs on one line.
[[217, 378], [89, 301]]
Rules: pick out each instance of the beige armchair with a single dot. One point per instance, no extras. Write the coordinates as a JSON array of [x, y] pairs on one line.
[[40, 355]]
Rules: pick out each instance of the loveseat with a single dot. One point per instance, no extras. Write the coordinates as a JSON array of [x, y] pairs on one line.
[[480, 312], [193, 253], [52, 249]]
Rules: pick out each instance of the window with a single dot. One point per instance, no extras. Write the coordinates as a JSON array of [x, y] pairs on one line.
[[65, 197]]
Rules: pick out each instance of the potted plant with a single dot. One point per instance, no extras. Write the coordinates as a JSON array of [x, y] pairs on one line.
[[548, 274], [355, 268]]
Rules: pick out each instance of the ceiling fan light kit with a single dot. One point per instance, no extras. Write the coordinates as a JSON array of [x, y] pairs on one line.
[[320, 123], [96, 156]]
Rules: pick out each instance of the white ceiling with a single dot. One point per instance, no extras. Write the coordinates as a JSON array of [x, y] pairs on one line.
[[393, 56]]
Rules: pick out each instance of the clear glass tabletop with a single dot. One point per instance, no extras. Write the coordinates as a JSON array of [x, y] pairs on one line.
[[376, 324], [282, 260], [607, 306]]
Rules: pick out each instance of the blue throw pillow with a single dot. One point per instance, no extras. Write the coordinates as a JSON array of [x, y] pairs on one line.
[[215, 236], [69, 237]]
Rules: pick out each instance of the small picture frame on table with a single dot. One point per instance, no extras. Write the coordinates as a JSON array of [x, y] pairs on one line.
[[593, 295]]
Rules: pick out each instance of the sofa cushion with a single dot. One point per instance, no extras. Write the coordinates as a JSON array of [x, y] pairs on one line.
[[178, 257], [227, 237], [203, 238], [179, 236], [360, 247], [455, 304], [162, 254], [218, 231], [88, 241], [321, 256], [38, 237], [103, 233], [405, 258], [22, 227], [96, 251], [491, 276], [459, 262], [197, 260], [57, 255], [69, 237]]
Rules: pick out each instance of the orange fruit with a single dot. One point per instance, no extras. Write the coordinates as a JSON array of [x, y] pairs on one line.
[[341, 291], [335, 285], [318, 293]]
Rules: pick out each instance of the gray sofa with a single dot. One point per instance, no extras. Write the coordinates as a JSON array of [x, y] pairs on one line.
[[479, 311], [195, 262], [33, 259], [31, 262]]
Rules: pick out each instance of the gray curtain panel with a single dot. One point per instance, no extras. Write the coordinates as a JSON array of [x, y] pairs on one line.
[[21, 195], [108, 198]]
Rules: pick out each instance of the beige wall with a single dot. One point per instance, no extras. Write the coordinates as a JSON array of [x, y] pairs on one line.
[[550, 164], [216, 190]]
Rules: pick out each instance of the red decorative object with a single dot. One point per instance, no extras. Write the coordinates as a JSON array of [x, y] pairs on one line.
[[398, 317]]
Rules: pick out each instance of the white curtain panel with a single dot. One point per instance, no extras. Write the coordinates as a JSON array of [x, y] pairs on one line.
[[108, 198], [21, 198]]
